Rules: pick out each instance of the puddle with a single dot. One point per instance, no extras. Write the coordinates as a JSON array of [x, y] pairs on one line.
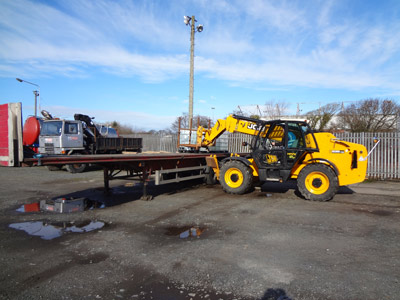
[[97, 205], [49, 231], [21, 209], [185, 231]]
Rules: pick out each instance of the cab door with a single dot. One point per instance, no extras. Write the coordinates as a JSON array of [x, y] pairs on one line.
[[72, 138], [282, 146]]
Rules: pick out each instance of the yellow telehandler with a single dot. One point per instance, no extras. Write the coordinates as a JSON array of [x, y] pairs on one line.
[[283, 150]]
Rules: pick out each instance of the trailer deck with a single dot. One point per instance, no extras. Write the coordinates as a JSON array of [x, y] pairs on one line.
[[162, 167]]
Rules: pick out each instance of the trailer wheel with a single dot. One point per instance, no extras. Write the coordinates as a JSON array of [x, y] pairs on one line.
[[76, 168], [317, 182], [210, 178], [236, 177], [54, 168]]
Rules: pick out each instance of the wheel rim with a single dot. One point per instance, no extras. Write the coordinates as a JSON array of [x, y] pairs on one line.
[[317, 183], [233, 178]]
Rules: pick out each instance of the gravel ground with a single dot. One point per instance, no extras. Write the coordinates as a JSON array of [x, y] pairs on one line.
[[268, 244]]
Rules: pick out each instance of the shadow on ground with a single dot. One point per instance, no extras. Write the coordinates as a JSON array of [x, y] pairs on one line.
[[125, 193], [279, 187], [134, 191]]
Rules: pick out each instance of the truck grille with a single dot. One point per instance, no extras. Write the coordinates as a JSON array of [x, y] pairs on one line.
[[49, 147]]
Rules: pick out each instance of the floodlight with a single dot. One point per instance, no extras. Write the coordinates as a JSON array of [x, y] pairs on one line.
[[200, 28], [186, 19], [36, 93]]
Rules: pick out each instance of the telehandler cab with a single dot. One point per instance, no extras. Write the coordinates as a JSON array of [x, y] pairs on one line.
[[283, 150]]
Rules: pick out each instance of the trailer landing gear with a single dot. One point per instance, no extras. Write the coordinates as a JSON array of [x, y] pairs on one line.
[[109, 174], [145, 179]]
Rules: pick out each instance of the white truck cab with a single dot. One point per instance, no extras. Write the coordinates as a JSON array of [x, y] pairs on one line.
[[61, 137]]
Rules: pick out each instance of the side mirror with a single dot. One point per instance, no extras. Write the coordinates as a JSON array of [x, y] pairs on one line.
[[244, 144]]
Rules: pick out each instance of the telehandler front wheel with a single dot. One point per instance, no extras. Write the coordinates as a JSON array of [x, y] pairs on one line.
[[317, 182], [236, 177]]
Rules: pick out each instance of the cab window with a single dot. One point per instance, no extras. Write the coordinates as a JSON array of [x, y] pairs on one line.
[[295, 136], [51, 128], [71, 128]]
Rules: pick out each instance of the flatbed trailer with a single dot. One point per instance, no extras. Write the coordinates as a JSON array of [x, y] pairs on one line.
[[164, 167], [119, 144]]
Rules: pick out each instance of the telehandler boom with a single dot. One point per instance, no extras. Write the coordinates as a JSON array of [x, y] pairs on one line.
[[283, 150]]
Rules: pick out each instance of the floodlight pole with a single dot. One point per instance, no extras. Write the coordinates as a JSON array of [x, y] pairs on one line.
[[192, 25], [36, 93], [192, 21]]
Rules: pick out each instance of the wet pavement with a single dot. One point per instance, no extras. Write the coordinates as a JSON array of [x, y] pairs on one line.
[[195, 242]]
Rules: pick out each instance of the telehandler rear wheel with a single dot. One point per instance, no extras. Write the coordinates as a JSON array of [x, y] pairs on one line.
[[235, 177], [317, 182]]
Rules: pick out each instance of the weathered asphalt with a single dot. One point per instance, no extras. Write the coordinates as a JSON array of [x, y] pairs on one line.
[[268, 244]]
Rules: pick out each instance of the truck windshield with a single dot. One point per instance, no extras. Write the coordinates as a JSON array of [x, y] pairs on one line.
[[51, 128]]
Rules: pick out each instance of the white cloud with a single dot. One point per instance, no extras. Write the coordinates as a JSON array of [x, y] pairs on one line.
[[324, 15], [280, 14], [264, 43], [134, 119]]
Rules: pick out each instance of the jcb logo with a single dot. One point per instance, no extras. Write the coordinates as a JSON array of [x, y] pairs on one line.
[[253, 126]]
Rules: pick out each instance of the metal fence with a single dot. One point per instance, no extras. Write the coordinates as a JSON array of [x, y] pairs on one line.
[[157, 142], [383, 163]]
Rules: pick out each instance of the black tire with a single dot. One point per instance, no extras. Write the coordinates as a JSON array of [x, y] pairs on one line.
[[236, 177], [54, 168], [76, 168], [317, 182]]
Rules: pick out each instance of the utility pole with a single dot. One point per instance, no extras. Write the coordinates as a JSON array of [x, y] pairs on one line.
[[298, 108], [191, 73], [191, 20]]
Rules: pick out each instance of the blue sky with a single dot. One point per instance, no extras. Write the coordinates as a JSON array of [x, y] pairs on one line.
[[129, 60]]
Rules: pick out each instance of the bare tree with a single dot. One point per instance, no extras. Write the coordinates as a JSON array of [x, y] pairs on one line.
[[122, 129], [239, 112], [275, 110], [204, 121], [320, 118], [371, 115]]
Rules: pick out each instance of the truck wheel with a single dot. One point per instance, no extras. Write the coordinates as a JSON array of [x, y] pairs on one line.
[[54, 168], [76, 168], [317, 182], [236, 178]]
